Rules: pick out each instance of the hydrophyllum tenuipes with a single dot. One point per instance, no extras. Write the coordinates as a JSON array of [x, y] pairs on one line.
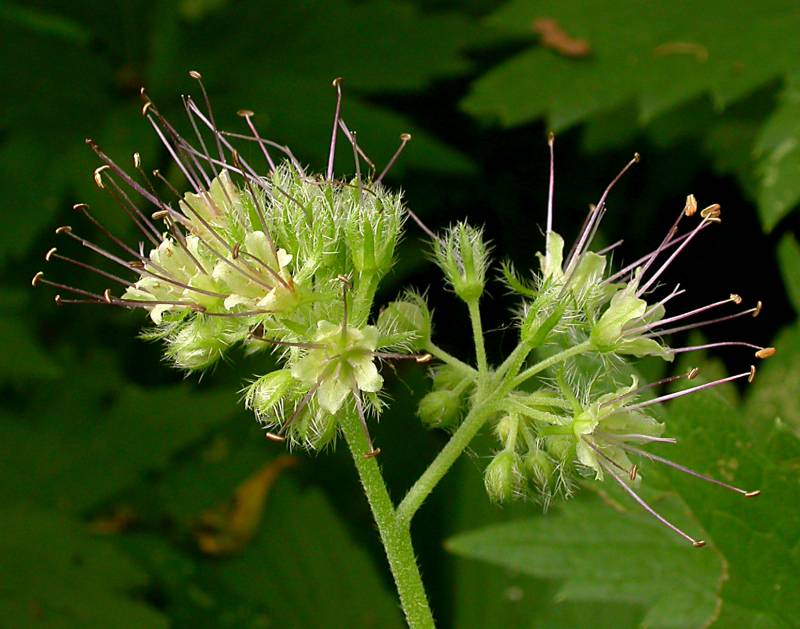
[[279, 259]]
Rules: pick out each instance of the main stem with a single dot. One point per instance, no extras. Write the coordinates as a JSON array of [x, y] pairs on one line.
[[395, 534]]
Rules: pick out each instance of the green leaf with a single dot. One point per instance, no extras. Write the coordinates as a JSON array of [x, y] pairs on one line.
[[605, 556], [778, 147], [758, 538], [57, 575], [89, 436], [789, 258]]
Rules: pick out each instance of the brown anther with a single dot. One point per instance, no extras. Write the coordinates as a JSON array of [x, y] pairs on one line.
[[424, 358], [107, 296], [752, 375], [337, 81], [275, 437], [199, 308], [405, 137], [36, 278], [49, 254], [159, 214], [634, 471], [698, 543], [551, 138], [712, 211], [713, 219], [345, 280], [691, 205], [245, 113], [753, 494], [136, 264], [137, 160], [737, 299], [767, 352], [235, 250], [692, 373], [57, 299], [235, 159], [757, 311], [80, 207], [372, 454], [98, 179], [637, 158], [195, 74], [146, 107], [64, 229]]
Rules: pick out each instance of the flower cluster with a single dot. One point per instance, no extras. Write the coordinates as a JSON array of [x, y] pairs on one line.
[[285, 261]]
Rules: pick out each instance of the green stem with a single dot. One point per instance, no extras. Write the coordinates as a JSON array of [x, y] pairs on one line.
[[395, 533], [449, 359], [477, 335], [561, 356], [444, 460]]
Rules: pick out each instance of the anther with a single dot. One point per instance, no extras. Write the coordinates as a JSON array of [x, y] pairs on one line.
[[146, 108], [712, 211], [692, 373], [57, 299], [767, 352], [736, 298], [64, 229], [757, 310], [337, 81], [80, 207], [634, 471], [107, 296], [637, 158], [691, 205], [235, 250], [245, 113], [405, 137], [753, 494], [195, 75], [424, 358], [36, 278], [752, 375], [98, 179], [698, 543], [159, 214], [49, 254], [275, 437], [551, 138], [372, 453]]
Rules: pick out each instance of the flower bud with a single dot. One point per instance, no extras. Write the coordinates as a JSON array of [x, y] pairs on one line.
[[268, 391], [371, 232], [500, 476], [539, 468], [463, 256], [199, 343], [440, 409], [409, 320]]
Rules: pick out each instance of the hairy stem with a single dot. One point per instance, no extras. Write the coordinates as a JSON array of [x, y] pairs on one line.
[[395, 534], [449, 359], [443, 462], [575, 350], [477, 335]]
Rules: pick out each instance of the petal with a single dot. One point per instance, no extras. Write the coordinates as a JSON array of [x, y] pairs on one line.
[[588, 457], [331, 394], [366, 375]]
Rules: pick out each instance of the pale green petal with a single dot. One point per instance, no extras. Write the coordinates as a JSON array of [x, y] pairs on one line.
[[331, 394], [588, 457], [308, 369], [367, 376]]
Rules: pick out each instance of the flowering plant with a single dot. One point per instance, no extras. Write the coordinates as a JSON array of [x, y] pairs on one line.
[[282, 260]]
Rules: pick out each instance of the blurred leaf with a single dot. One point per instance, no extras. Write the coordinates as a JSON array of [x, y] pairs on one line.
[[757, 538], [89, 436], [21, 359], [56, 575], [789, 258], [778, 146], [605, 556]]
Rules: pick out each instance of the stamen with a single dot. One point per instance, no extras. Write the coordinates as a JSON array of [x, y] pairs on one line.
[[624, 437], [691, 205], [697, 543], [247, 115], [98, 177], [52, 254], [687, 470], [199, 78], [591, 228], [675, 293], [712, 211], [700, 387], [405, 138], [685, 315], [610, 247], [699, 324], [551, 139], [373, 451], [199, 136], [688, 375], [361, 153], [761, 352], [674, 255], [337, 83], [345, 286]]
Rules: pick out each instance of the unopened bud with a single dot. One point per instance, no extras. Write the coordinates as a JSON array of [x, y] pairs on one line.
[[440, 409], [500, 477]]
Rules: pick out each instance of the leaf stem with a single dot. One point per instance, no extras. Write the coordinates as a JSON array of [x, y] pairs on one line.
[[477, 335], [395, 534]]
